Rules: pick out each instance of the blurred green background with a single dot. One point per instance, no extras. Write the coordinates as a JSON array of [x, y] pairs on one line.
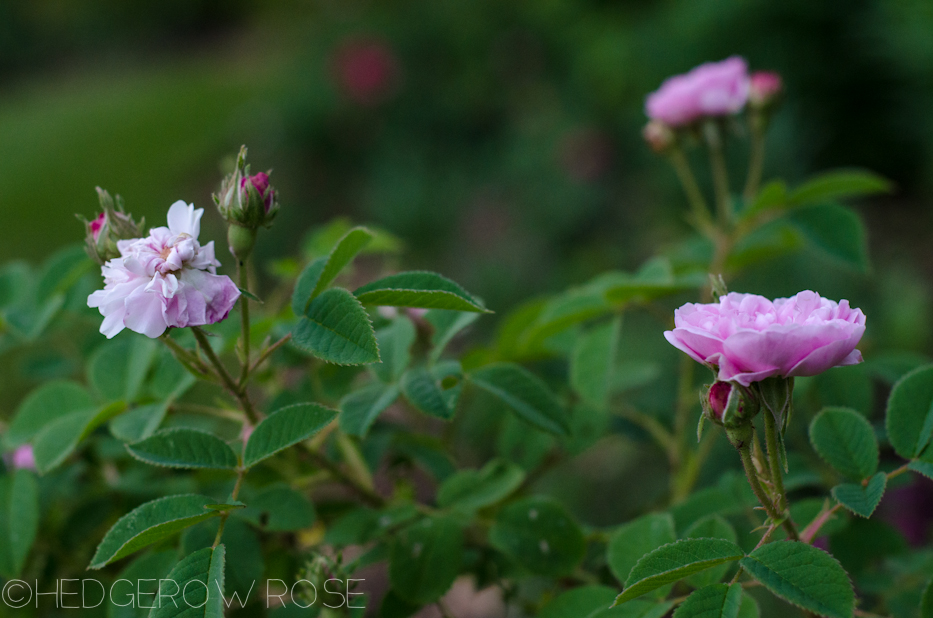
[[500, 140]]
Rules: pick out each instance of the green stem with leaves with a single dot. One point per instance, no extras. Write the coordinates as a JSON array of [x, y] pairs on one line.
[[713, 137], [691, 188], [225, 377], [243, 282], [756, 160], [241, 472]]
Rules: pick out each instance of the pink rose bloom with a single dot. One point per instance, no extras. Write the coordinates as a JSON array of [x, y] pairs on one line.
[[23, 458], [167, 279], [750, 338], [711, 89]]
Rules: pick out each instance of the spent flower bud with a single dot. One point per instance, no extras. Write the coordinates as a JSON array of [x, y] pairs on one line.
[[658, 136], [245, 200], [764, 89], [110, 226]]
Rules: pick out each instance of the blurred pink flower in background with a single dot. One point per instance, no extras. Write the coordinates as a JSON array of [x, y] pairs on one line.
[[750, 338], [166, 279], [711, 89], [366, 70], [764, 86], [24, 458]]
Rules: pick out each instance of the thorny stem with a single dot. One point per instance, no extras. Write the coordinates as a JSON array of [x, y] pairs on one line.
[[764, 539], [235, 390], [745, 453], [367, 494], [268, 352], [777, 474], [720, 175], [243, 277], [756, 159], [689, 183], [188, 360], [241, 472]]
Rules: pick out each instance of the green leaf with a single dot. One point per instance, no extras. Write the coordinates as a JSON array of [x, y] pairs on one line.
[[185, 448], [804, 576], [846, 441], [654, 279], [525, 394], [637, 538], [579, 602], [715, 601], [540, 535], [60, 438], [922, 467], [337, 329], [839, 184], [19, 520], [46, 404], [710, 527], [675, 561], [279, 508], [144, 571], [139, 423], [837, 231], [149, 523], [592, 362], [394, 343], [117, 368], [470, 490], [425, 559], [347, 247], [360, 409], [772, 196], [422, 289], [283, 428], [446, 326], [61, 271], [926, 603], [909, 420], [424, 389], [203, 599], [749, 608], [306, 284], [862, 500]]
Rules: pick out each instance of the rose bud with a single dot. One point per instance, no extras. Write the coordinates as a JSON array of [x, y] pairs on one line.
[[246, 202], [730, 404], [111, 226], [764, 88]]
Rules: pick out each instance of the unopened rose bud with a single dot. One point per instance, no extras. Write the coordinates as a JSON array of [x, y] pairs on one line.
[[246, 201], [109, 227], [730, 405], [764, 88], [658, 136], [719, 398]]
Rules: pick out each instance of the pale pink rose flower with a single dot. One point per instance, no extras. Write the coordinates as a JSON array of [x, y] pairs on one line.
[[711, 89], [749, 338], [166, 279], [23, 458]]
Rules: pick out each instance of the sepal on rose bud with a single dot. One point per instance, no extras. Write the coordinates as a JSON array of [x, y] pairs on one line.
[[110, 226], [245, 200]]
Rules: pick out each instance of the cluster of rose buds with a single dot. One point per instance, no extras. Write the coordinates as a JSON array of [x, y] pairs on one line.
[[247, 202], [112, 225], [711, 90]]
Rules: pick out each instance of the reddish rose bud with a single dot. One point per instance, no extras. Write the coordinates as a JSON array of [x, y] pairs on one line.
[[261, 183], [366, 71], [764, 88], [719, 399], [97, 225]]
